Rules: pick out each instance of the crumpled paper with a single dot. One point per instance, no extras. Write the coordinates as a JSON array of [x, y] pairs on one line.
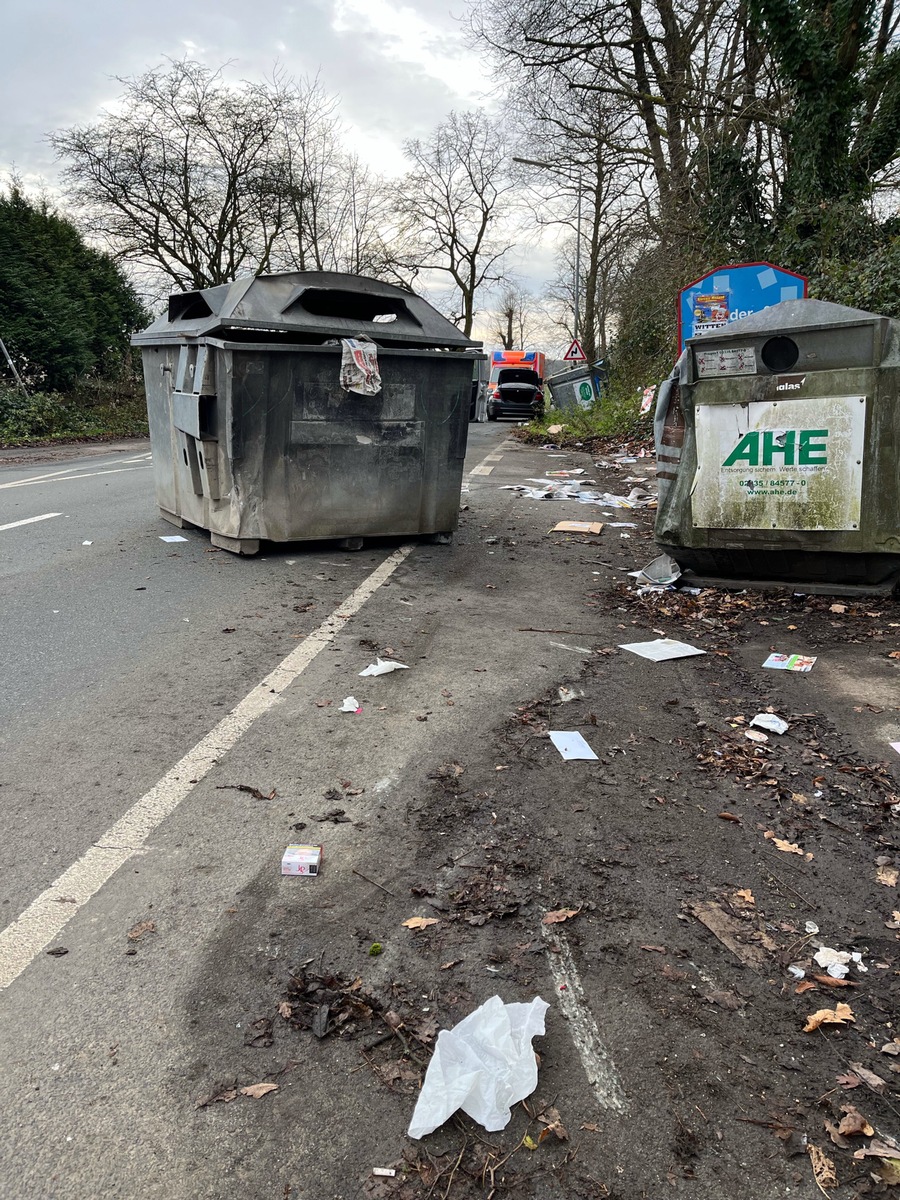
[[382, 666], [484, 1065], [359, 367]]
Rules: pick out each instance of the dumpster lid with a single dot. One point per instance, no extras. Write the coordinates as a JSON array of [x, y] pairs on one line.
[[790, 315], [306, 306]]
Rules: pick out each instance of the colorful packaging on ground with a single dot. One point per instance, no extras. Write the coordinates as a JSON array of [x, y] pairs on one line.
[[301, 860]]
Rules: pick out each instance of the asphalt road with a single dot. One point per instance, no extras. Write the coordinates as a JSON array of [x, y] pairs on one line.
[[147, 685]]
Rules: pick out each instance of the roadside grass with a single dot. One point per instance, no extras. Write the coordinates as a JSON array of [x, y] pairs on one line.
[[615, 415], [95, 411]]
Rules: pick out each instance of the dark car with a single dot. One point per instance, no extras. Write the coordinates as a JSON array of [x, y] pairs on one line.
[[516, 392]]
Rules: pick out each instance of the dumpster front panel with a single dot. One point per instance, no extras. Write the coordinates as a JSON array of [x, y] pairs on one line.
[[794, 464]]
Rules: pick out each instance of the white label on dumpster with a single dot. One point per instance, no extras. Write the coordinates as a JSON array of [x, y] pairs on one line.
[[794, 464], [725, 360]]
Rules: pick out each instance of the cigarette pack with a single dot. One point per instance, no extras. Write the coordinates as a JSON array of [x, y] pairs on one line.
[[301, 860]]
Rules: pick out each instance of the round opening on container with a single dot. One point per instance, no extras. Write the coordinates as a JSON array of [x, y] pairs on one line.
[[780, 353]]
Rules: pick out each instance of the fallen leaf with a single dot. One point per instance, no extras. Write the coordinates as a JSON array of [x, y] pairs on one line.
[[558, 915], [590, 1127], [849, 1080], [728, 816], [805, 986], [529, 1143], [868, 1077], [823, 1168], [891, 1047], [894, 654], [285, 1010], [877, 1149], [838, 608], [836, 1136], [747, 944], [889, 1170], [658, 949], [746, 896], [219, 1098], [140, 929], [781, 844], [887, 875], [256, 1090], [454, 962], [853, 1123], [839, 1015], [830, 981], [419, 922]]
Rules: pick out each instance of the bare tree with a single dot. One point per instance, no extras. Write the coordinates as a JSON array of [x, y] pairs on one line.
[[200, 181], [450, 208], [513, 318]]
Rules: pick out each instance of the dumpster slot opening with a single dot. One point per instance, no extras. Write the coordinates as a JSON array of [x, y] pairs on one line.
[[188, 306], [352, 306]]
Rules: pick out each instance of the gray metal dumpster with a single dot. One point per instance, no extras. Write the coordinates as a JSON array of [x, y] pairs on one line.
[[778, 441], [254, 437], [575, 388]]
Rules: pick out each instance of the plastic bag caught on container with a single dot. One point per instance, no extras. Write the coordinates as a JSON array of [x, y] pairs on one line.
[[484, 1065], [359, 367]]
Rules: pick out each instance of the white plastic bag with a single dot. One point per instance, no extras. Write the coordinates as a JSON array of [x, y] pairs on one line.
[[384, 666], [359, 367], [484, 1065]]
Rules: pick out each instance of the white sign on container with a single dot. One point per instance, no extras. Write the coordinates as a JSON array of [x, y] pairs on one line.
[[780, 464]]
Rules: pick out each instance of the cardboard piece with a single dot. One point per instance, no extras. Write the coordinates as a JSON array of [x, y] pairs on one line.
[[578, 527]]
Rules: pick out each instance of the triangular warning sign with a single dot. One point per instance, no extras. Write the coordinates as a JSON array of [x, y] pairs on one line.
[[575, 352]]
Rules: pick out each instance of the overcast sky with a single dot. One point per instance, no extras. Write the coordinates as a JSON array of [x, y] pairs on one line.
[[398, 67]]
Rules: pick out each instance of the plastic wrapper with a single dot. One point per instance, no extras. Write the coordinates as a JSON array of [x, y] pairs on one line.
[[484, 1065], [359, 367]]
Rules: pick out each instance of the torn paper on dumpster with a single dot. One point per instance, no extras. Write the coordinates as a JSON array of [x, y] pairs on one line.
[[661, 649], [484, 1065], [359, 367], [383, 667]]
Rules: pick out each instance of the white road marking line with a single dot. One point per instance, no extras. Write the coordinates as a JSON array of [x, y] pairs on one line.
[[45, 917], [29, 521], [598, 1065], [495, 458], [481, 469], [66, 478]]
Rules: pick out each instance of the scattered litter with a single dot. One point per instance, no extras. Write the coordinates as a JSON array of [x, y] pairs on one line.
[[555, 428], [755, 736], [834, 961], [566, 474], [574, 649], [797, 971], [301, 860], [623, 525], [351, 704], [567, 694], [87, 543], [662, 570], [578, 527], [386, 1172], [661, 649], [383, 667], [811, 927], [841, 1014], [137, 931], [887, 875], [248, 788], [771, 722], [484, 1065], [895, 746], [572, 745], [790, 662], [748, 944], [172, 537]]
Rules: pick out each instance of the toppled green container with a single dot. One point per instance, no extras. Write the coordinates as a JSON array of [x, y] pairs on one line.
[[777, 443], [256, 437]]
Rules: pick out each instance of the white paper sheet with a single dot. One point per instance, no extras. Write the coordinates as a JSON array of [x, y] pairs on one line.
[[572, 745], [661, 649]]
